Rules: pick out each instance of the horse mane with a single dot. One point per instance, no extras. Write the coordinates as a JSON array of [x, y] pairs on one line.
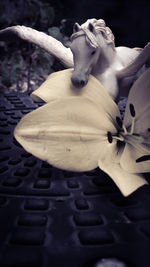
[[90, 37], [99, 26]]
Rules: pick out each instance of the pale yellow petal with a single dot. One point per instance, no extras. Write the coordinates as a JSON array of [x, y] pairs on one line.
[[68, 133], [125, 181], [129, 156], [139, 96], [58, 86]]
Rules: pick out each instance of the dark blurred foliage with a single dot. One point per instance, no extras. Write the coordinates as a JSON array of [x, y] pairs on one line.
[[34, 13], [21, 61], [23, 65]]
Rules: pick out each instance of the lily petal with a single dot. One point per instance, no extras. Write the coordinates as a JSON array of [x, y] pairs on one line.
[[129, 156], [139, 100], [69, 133], [58, 86], [139, 96], [126, 182]]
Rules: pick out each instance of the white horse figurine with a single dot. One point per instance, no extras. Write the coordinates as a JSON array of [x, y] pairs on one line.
[[91, 50], [94, 51]]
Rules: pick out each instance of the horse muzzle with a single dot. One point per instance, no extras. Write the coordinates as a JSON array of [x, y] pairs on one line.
[[79, 80]]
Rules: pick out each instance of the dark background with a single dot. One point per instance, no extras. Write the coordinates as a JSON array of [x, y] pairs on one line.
[[128, 20]]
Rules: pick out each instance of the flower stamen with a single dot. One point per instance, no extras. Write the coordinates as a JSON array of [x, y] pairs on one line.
[[121, 125], [109, 136], [143, 158], [132, 112], [123, 134], [119, 138], [132, 126], [119, 121], [124, 129]]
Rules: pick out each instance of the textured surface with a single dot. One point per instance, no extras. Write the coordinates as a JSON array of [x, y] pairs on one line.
[[50, 217]]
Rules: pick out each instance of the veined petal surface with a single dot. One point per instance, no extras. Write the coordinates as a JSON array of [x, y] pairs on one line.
[[58, 86], [69, 133], [126, 182], [129, 156], [139, 96]]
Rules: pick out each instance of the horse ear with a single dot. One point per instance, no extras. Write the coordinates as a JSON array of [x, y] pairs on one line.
[[76, 27], [91, 27]]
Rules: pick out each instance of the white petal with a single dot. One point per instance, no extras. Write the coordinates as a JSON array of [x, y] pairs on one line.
[[126, 182], [129, 156], [68, 133], [58, 86], [139, 96]]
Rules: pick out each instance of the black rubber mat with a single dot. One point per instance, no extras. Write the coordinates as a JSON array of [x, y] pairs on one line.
[[51, 218]]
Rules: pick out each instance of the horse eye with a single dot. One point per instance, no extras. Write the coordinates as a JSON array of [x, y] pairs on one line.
[[93, 52]]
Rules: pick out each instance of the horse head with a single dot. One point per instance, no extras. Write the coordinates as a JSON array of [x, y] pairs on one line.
[[86, 44]]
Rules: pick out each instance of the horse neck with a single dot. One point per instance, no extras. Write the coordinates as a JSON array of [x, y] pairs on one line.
[[105, 60]]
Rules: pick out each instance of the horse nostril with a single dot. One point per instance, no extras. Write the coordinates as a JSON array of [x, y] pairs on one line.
[[74, 81], [78, 82], [82, 82]]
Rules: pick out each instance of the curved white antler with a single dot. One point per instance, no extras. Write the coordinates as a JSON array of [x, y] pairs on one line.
[[48, 43]]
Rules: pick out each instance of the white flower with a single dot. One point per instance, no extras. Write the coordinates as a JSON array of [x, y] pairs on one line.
[[82, 129]]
